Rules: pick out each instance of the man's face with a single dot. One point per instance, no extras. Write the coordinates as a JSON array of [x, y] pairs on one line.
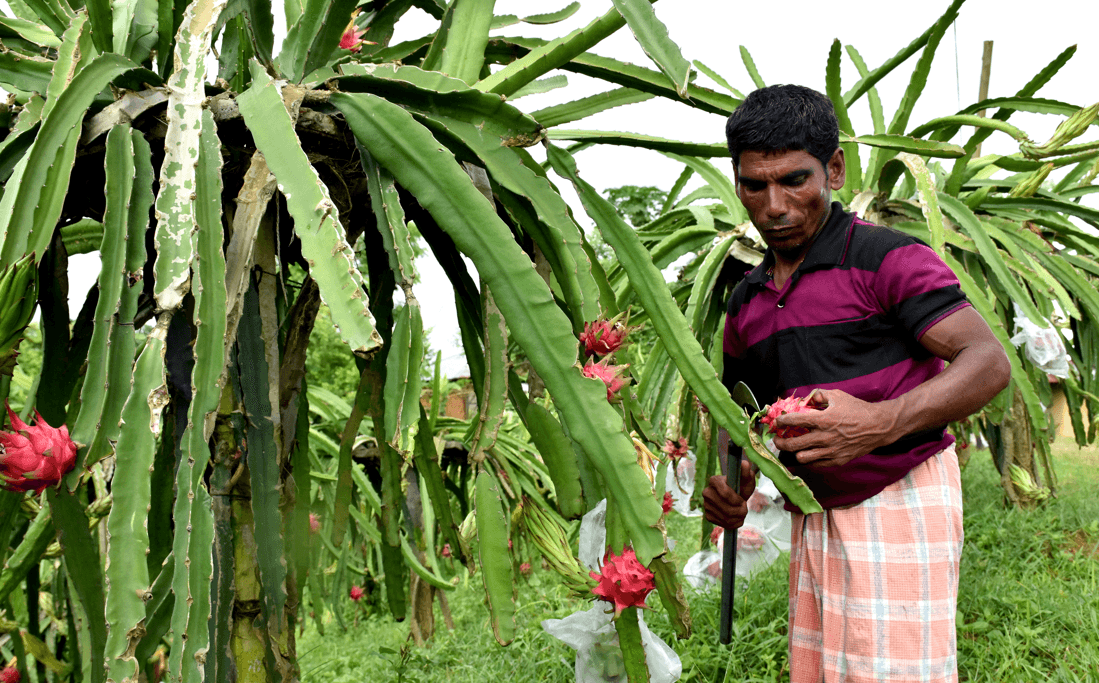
[[788, 195]]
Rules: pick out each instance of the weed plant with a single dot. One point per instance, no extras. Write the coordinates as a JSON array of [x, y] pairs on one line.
[[1028, 608]]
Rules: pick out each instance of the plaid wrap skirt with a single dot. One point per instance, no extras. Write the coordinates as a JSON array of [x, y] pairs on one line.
[[874, 587]]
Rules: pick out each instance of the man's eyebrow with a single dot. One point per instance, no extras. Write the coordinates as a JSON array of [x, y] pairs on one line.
[[791, 176], [796, 175]]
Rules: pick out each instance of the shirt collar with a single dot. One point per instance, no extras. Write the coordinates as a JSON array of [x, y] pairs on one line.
[[829, 247]]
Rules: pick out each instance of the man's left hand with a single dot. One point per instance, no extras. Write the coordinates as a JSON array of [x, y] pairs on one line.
[[843, 430]]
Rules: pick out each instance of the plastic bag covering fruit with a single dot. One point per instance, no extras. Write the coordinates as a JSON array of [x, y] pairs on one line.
[[599, 659], [32, 458], [783, 406]]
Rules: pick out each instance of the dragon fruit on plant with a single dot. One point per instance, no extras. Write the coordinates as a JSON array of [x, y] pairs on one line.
[[608, 373], [605, 336], [34, 457], [624, 580]]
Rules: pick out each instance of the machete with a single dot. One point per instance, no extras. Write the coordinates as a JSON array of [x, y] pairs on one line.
[[743, 397]]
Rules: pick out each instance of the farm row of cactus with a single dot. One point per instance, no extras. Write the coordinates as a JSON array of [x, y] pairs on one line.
[[214, 499]]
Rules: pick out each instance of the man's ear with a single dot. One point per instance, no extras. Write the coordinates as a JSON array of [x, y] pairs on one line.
[[837, 170]]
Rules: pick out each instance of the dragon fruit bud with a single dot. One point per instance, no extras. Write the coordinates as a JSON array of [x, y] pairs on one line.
[[624, 580], [356, 593], [791, 404], [32, 458], [608, 373], [525, 569], [604, 336], [314, 523], [446, 550], [666, 506]]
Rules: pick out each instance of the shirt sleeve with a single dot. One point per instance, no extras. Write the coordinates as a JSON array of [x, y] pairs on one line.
[[917, 288]]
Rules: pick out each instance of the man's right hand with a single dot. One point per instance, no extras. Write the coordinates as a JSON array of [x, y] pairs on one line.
[[725, 507]]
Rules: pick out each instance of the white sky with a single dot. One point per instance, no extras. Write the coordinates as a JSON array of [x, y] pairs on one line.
[[789, 42]]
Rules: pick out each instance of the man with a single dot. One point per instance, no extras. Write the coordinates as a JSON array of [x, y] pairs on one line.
[[866, 316]]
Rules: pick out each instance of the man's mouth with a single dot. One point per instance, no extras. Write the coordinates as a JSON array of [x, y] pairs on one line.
[[779, 230]]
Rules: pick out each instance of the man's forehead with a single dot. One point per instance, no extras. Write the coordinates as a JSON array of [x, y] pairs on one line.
[[791, 160]]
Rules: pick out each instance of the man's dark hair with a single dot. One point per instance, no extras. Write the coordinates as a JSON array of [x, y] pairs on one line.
[[784, 117]]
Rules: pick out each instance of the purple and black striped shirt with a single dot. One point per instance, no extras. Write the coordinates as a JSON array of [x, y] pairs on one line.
[[849, 318]]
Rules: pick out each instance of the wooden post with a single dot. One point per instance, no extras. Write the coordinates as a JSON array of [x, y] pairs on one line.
[[986, 70]]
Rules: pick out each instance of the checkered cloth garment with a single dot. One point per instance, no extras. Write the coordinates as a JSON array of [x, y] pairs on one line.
[[874, 587]]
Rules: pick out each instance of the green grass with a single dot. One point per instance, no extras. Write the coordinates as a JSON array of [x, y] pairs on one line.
[[1028, 607]]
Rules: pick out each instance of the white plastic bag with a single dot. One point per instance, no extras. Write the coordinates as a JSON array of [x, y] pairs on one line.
[[1044, 346], [598, 656], [593, 537], [762, 539]]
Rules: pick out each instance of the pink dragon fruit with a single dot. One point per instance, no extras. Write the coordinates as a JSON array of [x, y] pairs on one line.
[[608, 373], [314, 523], [604, 336], [624, 581], [357, 593], [33, 458], [676, 449], [783, 406], [9, 674], [666, 505]]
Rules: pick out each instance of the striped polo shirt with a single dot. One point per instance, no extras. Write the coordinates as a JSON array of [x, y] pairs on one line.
[[849, 318]]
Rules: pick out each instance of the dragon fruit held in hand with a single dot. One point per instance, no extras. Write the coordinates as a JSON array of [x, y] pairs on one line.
[[783, 406], [33, 458]]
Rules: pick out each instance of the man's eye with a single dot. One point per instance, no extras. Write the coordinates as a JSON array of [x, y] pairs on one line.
[[751, 187]]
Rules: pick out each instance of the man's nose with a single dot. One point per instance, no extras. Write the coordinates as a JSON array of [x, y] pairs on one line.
[[776, 201]]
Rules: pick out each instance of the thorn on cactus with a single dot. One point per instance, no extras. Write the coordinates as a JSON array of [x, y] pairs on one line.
[[34, 457]]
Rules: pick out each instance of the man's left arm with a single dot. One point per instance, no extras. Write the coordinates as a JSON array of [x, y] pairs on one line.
[[849, 427]]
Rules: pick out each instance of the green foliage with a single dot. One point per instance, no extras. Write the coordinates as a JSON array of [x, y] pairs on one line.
[[638, 205], [329, 363], [1020, 609], [331, 166]]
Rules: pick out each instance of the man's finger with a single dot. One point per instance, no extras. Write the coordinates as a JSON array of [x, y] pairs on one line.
[[747, 480]]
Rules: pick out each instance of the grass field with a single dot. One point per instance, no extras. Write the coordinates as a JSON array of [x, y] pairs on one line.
[[1028, 607]]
